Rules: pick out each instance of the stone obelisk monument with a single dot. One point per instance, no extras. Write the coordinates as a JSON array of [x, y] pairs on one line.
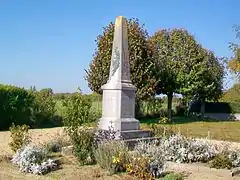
[[118, 104]]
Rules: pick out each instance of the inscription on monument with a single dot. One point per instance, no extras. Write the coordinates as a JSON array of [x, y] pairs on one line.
[[127, 105], [115, 62], [126, 67]]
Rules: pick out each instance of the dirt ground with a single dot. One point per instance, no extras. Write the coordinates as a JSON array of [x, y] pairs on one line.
[[74, 171]]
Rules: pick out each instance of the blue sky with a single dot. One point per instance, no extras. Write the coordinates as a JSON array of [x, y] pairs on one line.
[[49, 43]]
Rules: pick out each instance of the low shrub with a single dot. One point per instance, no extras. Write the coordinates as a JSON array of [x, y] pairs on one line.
[[56, 144], [82, 140], [226, 159], [112, 155], [77, 112], [33, 160], [139, 167], [221, 161], [20, 136]]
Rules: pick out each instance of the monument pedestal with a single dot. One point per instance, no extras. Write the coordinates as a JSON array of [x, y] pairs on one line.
[[118, 111], [118, 107]]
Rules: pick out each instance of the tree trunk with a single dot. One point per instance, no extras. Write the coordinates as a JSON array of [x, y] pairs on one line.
[[169, 106], [203, 104]]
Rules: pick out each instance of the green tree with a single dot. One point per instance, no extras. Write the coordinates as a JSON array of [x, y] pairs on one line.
[[171, 50], [234, 63], [203, 78], [141, 65], [44, 108]]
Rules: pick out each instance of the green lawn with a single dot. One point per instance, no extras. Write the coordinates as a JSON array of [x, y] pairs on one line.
[[219, 130]]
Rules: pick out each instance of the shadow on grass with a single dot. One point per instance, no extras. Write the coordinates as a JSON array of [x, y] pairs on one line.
[[180, 120]]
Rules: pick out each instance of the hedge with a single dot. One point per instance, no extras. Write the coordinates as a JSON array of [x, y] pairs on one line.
[[15, 106], [216, 107]]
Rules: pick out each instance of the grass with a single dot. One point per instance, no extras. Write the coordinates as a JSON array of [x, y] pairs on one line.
[[219, 130]]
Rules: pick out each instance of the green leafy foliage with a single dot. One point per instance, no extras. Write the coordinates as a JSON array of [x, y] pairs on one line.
[[77, 111], [172, 49], [173, 176], [204, 79], [15, 106], [82, 140], [150, 108], [141, 65], [56, 144], [234, 62], [112, 156], [20, 137], [139, 167], [44, 109], [221, 161], [232, 94]]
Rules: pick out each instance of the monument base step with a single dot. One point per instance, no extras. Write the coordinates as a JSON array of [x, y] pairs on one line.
[[135, 134], [132, 142]]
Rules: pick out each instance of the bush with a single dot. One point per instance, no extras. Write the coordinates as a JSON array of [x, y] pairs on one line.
[[57, 143], [221, 161], [20, 136], [112, 155], [139, 167], [15, 106], [44, 108], [33, 160], [82, 140], [77, 111]]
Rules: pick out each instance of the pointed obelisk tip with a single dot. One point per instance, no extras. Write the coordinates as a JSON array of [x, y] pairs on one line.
[[120, 19]]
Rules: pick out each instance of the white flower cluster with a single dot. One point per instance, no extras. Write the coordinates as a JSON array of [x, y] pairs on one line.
[[34, 160], [181, 149], [154, 153]]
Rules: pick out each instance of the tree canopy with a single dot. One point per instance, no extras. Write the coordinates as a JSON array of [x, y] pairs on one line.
[[234, 63], [172, 50]]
